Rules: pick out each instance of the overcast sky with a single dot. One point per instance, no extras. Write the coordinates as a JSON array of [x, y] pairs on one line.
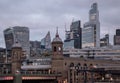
[[42, 16]]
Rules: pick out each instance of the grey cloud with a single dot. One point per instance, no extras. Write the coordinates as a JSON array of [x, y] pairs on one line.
[[45, 15]]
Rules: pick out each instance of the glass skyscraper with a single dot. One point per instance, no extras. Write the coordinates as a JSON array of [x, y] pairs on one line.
[[35, 48], [46, 41], [17, 34], [73, 37], [104, 41], [91, 29], [117, 37]]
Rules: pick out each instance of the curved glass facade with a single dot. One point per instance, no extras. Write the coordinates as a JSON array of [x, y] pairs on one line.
[[20, 34]]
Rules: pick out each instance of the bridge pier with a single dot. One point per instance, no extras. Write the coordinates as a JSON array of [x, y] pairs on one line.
[[17, 78]]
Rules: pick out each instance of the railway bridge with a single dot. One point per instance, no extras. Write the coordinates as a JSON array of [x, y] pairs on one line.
[[30, 77]]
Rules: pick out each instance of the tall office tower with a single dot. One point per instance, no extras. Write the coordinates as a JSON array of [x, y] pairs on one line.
[[73, 37], [91, 29], [117, 37], [19, 34], [118, 32], [46, 41], [104, 41]]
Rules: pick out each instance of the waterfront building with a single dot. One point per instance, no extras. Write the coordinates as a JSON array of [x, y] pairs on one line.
[[104, 53]]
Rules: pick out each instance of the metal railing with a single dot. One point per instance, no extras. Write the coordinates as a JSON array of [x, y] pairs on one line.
[[33, 73]]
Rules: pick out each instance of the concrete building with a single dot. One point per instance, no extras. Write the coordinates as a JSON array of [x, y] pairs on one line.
[[20, 34], [37, 63], [91, 29], [117, 37], [35, 48], [103, 53], [104, 41], [73, 37]]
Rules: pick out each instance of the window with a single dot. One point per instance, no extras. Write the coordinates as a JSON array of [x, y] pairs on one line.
[[55, 49], [65, 63]]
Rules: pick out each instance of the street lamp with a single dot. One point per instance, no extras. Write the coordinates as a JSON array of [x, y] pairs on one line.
[[111, 79], [75, 70], [80, 69]]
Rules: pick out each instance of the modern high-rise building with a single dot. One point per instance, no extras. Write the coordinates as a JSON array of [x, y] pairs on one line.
[[73, 37], [117, 37], [91, 29], [35, 48], [104, 41], [46, 41], [118, 32], [19, 34]]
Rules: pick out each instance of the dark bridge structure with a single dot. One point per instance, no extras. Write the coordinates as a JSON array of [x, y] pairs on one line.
[[29, 77], [36, 77]]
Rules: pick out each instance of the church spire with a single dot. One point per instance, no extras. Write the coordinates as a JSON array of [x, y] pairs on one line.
[[57, 35], [57, 38]]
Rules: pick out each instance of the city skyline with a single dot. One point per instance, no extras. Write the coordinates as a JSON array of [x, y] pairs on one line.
[[41, 16]]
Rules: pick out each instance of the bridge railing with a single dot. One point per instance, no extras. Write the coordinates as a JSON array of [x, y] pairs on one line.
[[39, 73], [32, 73]]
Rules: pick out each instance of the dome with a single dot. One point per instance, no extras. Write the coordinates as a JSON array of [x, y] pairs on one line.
[[16, 44], [57, 38]]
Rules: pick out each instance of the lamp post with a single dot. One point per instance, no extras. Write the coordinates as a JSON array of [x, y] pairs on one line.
[[84, 70], [75, 70], [56, 81], [17, 77]]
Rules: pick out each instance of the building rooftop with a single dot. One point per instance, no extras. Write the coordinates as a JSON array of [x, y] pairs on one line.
[[57, 38]]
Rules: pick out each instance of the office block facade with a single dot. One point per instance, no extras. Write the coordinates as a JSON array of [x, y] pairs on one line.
[[73, 37], [35, 48], [91, 29], [19, 34], [104, 41], [117, 37], [46, 42]]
